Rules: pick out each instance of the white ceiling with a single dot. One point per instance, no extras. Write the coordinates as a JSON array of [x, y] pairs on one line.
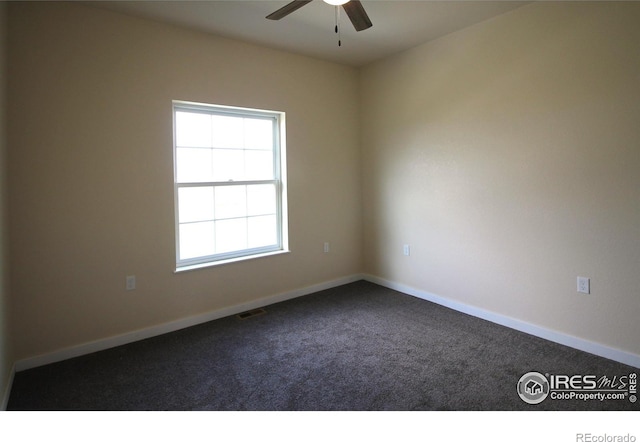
[[397, 24]]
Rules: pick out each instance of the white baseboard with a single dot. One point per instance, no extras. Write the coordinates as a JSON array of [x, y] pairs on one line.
[[126, 338], [532, 329], [7, 391]]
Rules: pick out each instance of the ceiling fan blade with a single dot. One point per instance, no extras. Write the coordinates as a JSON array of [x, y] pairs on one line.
[[357, 15], [288, 9]]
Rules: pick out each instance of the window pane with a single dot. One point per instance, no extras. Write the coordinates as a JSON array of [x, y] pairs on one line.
[[221, 155], [258, 134], [196, 240], [262, 231], [227, 132], [195, 204], [261, 199], [258, 165], [193, 129], [193, 165], [230, 201], [231, 235], [228, 165]]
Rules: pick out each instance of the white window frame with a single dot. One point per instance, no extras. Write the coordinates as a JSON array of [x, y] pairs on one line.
[[279, 180]]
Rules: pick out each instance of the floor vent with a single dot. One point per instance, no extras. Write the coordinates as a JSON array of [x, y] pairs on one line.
[[251, 313]]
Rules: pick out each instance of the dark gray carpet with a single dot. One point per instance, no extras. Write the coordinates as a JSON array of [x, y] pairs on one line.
[[355, 347]]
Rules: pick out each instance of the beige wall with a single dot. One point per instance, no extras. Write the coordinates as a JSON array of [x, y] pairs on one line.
[[508, 156], [505, 154], [6, 361], [91, 198]]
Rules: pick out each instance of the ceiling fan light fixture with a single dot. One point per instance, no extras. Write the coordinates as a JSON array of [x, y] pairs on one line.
[[353, 8]]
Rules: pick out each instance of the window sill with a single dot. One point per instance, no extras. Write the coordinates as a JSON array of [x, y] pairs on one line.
[[203, 265]]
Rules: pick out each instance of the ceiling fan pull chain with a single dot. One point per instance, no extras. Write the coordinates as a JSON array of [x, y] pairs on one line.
[[337, 8]]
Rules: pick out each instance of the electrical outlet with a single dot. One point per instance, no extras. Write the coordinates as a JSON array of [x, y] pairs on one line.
[[326, 247], [131, 282], [406, 250], [584, 285]]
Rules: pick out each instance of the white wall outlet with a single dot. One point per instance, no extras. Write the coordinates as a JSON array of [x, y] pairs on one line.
[[406, 250], [326, 247], [131, 282], [584, 285]]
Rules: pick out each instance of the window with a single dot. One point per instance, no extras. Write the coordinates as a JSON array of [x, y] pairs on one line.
[[229, 183]]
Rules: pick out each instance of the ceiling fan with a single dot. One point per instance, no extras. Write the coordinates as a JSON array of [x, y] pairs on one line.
[[354, 9]]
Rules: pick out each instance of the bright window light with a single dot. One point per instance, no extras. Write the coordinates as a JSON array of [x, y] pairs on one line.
[[229, 183]]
